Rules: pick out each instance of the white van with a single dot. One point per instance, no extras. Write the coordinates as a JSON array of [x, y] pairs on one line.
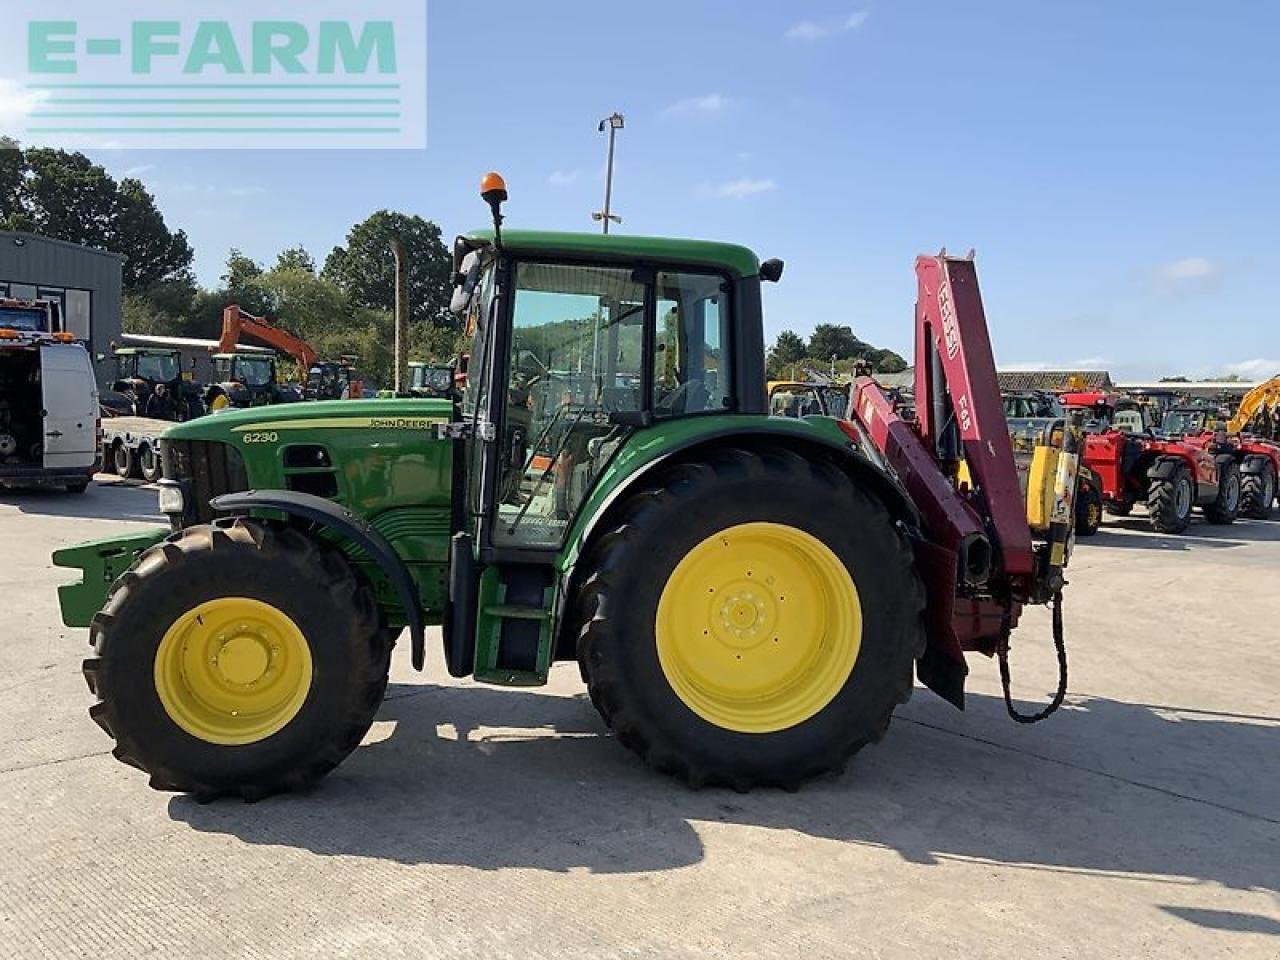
[[48, 410]]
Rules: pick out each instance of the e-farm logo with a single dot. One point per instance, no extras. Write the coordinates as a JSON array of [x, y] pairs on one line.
[[220, 73]]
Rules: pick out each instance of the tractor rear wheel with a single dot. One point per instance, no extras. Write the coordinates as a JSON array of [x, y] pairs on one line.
[[1169, 502], [1226, 505], [1088, 512], [237, 658], [1258, 493], [731, 633]]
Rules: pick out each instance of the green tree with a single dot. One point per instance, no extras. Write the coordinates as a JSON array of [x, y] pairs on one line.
[[296, 258], [365, 267], [829, 340], [67, 196], [788, 348]]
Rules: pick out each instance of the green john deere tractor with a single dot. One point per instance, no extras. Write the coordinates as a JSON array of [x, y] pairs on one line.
[[739, 590]]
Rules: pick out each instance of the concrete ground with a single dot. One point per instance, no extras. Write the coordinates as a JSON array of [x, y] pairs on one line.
[[1142, 821]]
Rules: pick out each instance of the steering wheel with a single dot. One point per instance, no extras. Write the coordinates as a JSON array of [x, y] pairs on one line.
[[692, 394]]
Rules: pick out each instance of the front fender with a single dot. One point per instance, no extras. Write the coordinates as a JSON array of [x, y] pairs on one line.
[[351, 527], [1164, 467]]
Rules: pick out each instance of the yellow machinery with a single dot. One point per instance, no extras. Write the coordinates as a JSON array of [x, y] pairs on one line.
[[1261, 404]]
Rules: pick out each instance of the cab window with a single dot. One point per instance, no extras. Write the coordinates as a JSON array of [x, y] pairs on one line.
[[575, 365], [691, 345]]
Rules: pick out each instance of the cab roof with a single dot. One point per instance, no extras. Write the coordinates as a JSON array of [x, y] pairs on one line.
[[707, 253]]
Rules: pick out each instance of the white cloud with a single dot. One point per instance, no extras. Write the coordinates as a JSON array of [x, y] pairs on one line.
[[705, 106], [809, 30], [1255, 369], [563, 178], [16, 102], [1189, 274], [139, 171], [740, 188]]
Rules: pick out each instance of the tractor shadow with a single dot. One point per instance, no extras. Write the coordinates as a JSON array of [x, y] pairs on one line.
[[103, 500], [1135, 533], [504, 778]]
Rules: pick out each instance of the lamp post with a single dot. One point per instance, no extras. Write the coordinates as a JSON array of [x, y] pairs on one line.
[[613, 123]]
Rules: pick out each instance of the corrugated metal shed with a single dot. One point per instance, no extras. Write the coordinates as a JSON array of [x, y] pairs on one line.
[[88, 283]]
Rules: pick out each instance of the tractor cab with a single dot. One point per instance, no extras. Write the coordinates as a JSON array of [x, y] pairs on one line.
[[790, 398], [139, 370], [333, 380], [570, 358], [432, 380], [244, 379]]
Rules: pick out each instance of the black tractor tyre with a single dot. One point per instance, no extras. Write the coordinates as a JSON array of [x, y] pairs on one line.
[[124, 461], [1226, 505], [1088, 512], [1169, 502], [615, 610], [1258, 493], [1119, 508], [149, 464], [311, 583]]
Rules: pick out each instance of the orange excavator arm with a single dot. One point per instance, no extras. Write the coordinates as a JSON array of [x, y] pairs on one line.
[[236, 322]]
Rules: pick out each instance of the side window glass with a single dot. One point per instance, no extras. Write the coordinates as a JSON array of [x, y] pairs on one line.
[[691, 345]]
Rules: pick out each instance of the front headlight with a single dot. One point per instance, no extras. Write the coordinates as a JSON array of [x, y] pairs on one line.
[[173, 501]]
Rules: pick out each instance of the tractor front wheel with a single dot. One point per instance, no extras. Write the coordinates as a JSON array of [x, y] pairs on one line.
[[1169, 501], [731, 633], [237, 658], [1258, 493]]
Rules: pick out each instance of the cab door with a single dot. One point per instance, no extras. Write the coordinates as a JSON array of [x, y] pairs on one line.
[[70, 397]]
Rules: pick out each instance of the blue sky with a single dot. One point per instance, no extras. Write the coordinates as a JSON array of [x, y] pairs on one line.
[[1114, 164]]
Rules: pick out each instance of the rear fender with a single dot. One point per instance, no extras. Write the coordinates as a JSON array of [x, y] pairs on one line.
[[350, 527]]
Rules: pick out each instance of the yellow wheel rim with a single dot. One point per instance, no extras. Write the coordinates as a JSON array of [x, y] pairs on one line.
[[233, 671], [758, 627], [220, 402]]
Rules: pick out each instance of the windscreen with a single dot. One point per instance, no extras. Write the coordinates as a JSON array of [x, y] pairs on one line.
[[253, 373], [159, 368], [24, 318]]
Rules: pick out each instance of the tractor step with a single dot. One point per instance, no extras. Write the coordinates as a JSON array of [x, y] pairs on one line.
[[513, 612], [514, 639]]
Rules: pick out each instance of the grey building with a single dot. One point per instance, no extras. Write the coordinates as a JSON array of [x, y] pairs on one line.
[[87, 283]]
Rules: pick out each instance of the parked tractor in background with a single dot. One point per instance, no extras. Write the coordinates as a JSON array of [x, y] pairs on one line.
[[247, 380], [1135, 465], [1037, 418], [746, 596], [139, 370], [333, 380], [432, 380], [1258, 459], [794, 398]]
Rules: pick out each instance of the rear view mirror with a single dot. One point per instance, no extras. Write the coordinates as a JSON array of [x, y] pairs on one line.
[[467, 280]]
